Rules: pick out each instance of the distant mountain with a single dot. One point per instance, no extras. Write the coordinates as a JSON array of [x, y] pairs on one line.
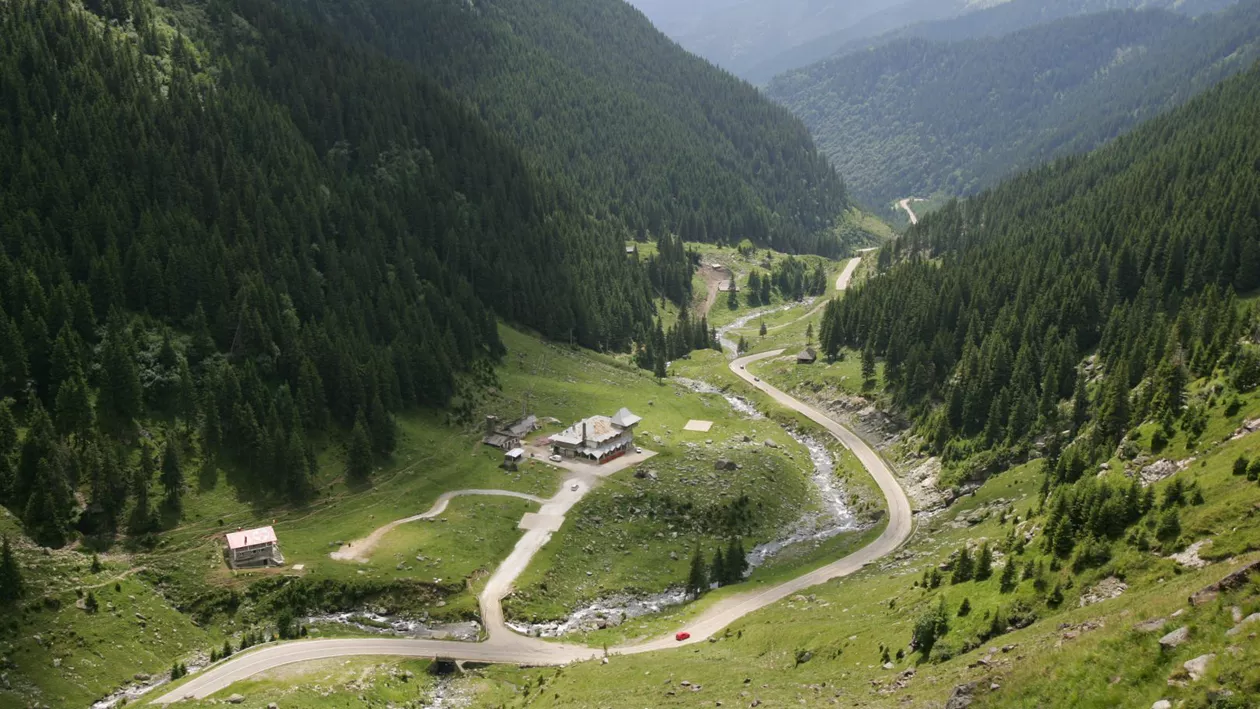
[[933, 19], [608, 106], [739, 35], [913, 116]]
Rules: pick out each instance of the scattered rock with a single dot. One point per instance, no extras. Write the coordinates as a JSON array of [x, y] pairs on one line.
[[1151, 626], [962, 696], [1198, 666], [1190, 557], [1236, 614], [1175, 638], [770, 444], [1229, 583], [888, 665], [1242, 624], [235, 699], [273, 705], [724, 464], [1105, 590], [1162, 704]]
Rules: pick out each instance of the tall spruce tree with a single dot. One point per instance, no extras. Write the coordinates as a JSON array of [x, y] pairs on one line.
[[697, 575], [12, 587]]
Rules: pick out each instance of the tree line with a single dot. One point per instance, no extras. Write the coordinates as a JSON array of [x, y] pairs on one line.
[[223, 252], [1082, 297]]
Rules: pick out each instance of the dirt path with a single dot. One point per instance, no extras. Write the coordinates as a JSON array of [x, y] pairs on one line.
[[712, 277], [360, 550], [905, 204], [508, 647]]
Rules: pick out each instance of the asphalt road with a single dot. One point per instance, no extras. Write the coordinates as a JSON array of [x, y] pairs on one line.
[[507, 647]]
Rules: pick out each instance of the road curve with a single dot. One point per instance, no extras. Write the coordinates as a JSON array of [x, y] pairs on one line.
[[900, 524], [361, 549], [506, 647]]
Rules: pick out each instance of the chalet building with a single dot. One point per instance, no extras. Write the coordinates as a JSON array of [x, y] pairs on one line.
[[807, 356], [598, 438], [508, 437], [252, 548]]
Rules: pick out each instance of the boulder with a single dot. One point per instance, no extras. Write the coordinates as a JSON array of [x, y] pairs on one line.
[[235, 699], [1198, 666], [770, 444], [1242, 624], [962, 696], [1175, 638], [1150, 626], [724, 464], [1162, 704]]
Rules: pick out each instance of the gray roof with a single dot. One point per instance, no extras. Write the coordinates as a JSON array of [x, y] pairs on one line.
[[625, 419]]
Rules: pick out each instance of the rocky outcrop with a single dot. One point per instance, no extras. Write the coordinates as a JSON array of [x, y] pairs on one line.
[[1161, 469], [1233, 581], [1190, 557], [1105, 590], [1248, 428]]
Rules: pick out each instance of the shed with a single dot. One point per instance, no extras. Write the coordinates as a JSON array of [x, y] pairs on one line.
[[514, 456], [807, 356]]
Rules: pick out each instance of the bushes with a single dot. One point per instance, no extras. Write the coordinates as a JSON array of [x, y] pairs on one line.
[[930, 628]]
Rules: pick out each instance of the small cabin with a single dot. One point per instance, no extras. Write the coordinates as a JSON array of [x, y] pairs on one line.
[[252, 548], [514, 456], [807, 356]]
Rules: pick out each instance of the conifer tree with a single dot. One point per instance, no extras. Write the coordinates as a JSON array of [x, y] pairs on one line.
[[762, 331], [984, 563], [697, 576], [120, 391], [172, 474], [1009, 579], [717, 570], [868, 363], [359, 452], [736, 561], [73, 409], [963, 566], [142, 520], [12, 586]]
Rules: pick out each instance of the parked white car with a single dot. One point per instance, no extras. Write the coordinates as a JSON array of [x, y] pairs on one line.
[[555, 458]]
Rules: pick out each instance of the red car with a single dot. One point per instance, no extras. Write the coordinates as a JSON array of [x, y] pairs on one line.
[[682, 636]]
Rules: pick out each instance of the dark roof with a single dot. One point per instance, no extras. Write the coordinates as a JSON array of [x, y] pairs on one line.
[[807, 355], [499, 440], [521, 427]]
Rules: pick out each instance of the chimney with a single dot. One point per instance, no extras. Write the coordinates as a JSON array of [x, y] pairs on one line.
[[492, 422], [583, 431]]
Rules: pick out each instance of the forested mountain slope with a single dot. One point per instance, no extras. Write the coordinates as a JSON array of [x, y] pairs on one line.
[[914, 116], [931, 19], [255, 242], [612, 108], [1133, 254]]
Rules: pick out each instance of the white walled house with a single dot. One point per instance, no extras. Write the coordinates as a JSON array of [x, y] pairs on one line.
[[252, 548]]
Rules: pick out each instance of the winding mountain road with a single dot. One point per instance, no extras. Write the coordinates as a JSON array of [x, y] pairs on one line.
[[505, 646]]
